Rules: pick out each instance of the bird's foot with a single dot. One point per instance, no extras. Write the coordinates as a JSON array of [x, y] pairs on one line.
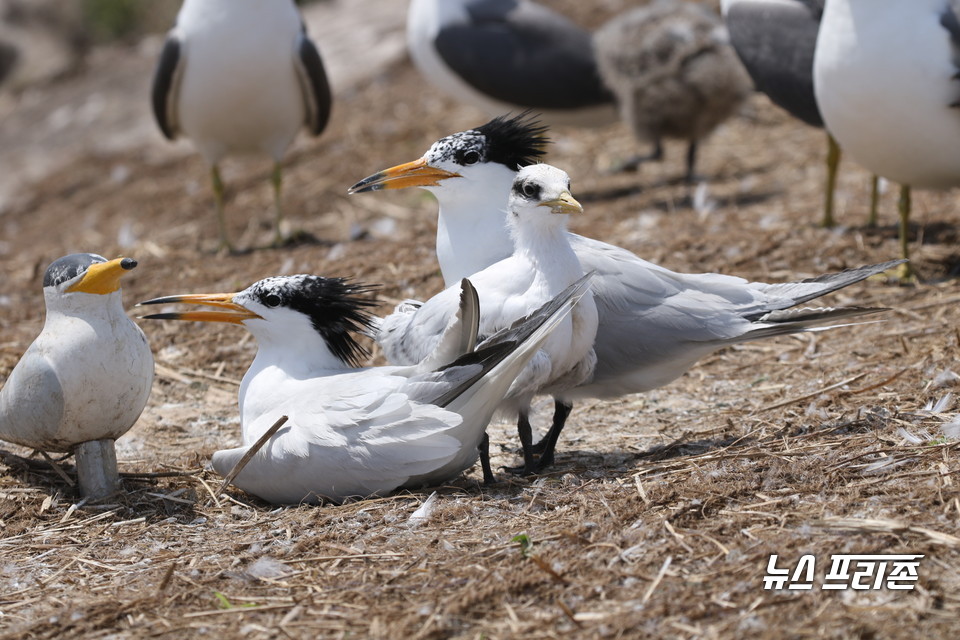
[[534, 466], [630, 165], [524, 470], [904, 274], [293, 238], [226, 248]]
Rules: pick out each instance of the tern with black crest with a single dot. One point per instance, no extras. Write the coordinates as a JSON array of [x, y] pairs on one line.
[[540, 266], [355, 432], [654, 323]]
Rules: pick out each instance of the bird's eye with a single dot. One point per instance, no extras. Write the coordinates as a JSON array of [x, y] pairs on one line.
[[272, 300], [471, 157], [531, 190]]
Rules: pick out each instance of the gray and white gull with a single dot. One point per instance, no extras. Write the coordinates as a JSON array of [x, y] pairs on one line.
[[240, 77]]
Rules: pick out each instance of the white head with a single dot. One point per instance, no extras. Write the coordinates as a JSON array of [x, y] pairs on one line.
[[84, 280], [313, 316], [471, 164], [540, 200]]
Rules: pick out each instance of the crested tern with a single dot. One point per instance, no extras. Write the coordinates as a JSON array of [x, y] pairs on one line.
[[674, 73], [361, 431], [500, 55], [240, 77], [886, 79], [86, 378], [541, 265], [654, 323]]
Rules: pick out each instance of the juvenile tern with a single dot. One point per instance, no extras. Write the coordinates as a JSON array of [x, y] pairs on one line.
[[776, 40], [500, 55], [674, 73], [886, 78], [654, 323], [360, 432], [240, 77], [86, 378], [540, 266]]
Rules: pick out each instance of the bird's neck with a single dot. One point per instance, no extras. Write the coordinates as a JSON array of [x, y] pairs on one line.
[[278, 366], [298, 356], [83, 306], [547, 248], [472, 231]]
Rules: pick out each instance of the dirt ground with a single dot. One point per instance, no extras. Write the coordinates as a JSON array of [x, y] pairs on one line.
[[663, 509]]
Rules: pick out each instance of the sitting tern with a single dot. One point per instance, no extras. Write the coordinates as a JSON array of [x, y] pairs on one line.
[[886, 78], [500, 55], [240, 77], [654, 323], [359, 432], [86, 378], [776, 40], [541, 265], [674, 73]]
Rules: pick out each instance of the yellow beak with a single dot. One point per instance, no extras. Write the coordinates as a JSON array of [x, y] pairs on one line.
[[233, 313], [565, 203], [102, 278], [411, 174]]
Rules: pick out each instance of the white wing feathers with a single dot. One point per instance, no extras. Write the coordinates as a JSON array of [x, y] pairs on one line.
[[367, 443]]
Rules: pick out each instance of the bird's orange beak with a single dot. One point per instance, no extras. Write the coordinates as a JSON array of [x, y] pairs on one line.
[[411, 174], [233, 313], [103, 277]]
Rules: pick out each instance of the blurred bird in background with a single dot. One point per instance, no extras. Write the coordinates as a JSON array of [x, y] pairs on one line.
[[673, 72], [240, 77], [776, 40], [509, 55], [886, 79]]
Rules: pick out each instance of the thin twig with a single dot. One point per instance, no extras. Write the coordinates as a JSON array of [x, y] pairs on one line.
[[252, 451], [656, 581], [60, 472], [811, 395]]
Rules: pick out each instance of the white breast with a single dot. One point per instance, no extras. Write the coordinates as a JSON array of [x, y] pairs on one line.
[[884, 82]]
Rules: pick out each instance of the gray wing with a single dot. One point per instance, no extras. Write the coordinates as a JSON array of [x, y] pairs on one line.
[[164, 92], [524, 54], [655, 323], [776, 43], [313, 84], [447, 384]]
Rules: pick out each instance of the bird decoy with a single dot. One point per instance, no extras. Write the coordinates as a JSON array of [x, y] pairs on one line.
[[86, 378], [240, 77]]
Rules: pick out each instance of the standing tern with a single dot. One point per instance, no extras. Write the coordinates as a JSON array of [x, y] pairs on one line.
[[654, 323], [359, 432], [776, 40], [674, 73], [540, 266], [886, 78], [240, 77], [500, 55], [86, 378]]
